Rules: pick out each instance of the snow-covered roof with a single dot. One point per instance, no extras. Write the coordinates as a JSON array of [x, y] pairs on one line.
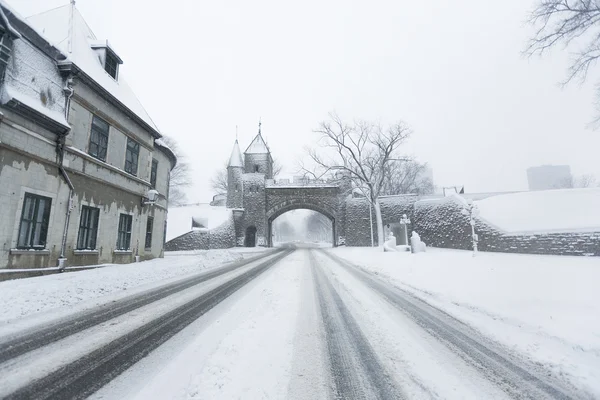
[[258, 146], [9, 94], [179, 219], [236, 156], [564, 210], [7, 24], [54, 26], [162, 145]]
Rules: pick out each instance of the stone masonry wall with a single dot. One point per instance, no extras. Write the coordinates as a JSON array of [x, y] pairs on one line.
[[358, 232], [442, 224], [254, 206], [325, 200], [221, 237]]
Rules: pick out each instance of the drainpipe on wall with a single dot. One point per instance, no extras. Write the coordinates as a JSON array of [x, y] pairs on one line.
[[60, 149]]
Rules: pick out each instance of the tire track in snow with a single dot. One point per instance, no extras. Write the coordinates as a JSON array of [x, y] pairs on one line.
[[513, 376], [85, 376], [356, 371], [22, 342]]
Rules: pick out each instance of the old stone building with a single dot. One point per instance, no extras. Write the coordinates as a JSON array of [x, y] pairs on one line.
[[83, 172], [256, 199]]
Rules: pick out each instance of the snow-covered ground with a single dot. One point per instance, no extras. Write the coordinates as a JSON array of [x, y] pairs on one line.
[[564, 210], [80, 290], [309, 327], [546, 307], [243, 349]]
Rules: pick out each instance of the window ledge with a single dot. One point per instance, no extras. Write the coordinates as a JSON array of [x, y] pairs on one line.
[[30, 252], [123, 252], [86, 252]]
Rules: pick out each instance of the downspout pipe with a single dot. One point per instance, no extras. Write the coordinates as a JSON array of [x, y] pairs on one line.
[[60, 149]]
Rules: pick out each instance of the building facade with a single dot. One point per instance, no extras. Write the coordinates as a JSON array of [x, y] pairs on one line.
[[547, 177], [80, 160]]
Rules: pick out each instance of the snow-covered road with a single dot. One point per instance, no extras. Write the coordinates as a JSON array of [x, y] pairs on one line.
[[299, 325]]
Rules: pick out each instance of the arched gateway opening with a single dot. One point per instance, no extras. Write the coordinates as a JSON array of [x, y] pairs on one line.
[[301, 224], [250, 239]]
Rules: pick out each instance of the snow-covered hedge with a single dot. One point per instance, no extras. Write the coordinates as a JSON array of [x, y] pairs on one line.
[[441, 223]]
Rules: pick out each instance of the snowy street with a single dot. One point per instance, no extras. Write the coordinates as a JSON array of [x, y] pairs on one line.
[[300, 324]]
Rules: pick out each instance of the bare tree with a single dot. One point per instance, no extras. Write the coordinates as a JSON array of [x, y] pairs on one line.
[[318, 227], [574, 23], [219, 181], [580, 182], [180, 175], [362, 151], [585, 181], [406, 176]]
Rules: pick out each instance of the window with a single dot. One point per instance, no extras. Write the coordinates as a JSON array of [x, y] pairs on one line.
[[111, 65], [153, 172], [98, 138], [131, 156], [255, 167], [124, 237], [88, 228], [35, 217], [149, 225], [5, 51]]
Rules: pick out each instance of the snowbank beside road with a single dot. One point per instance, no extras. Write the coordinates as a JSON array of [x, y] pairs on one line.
[[565, 210], [546, 307], [24, 297]]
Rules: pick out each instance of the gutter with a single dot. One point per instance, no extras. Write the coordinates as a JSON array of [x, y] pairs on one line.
[[60, 149]]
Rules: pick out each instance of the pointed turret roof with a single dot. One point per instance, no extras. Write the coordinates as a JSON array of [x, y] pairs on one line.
[[258, 146], [236, 157]]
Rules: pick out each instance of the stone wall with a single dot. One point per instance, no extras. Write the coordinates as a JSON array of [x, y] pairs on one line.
[[194, 240], [570, 244], [221, 237], [262, 160], [254, 206], [325, 199], [235, 188], [440, 223], [358, 232]]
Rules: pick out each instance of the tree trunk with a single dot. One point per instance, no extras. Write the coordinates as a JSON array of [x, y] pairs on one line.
[[379, 219]]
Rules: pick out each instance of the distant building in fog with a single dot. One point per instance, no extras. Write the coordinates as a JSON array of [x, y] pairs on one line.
[[426, 174], [547, 177]]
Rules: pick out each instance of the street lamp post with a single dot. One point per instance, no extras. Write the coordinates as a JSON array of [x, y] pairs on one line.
[[405, 221], [472, 211]]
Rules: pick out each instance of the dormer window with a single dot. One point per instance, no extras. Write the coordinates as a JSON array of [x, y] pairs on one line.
[[111, 65], [108, 58]]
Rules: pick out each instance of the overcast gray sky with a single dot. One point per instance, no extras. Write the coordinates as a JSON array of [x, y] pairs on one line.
[[453, 70]]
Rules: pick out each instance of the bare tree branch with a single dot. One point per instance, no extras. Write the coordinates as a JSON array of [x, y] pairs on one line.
[[572, 23], [180, 175], [361, 151]]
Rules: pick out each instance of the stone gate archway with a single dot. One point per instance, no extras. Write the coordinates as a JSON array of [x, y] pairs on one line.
[[300, 206]]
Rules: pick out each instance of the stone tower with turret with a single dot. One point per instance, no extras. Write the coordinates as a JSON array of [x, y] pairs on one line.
[[235, 169], [257, 157]]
